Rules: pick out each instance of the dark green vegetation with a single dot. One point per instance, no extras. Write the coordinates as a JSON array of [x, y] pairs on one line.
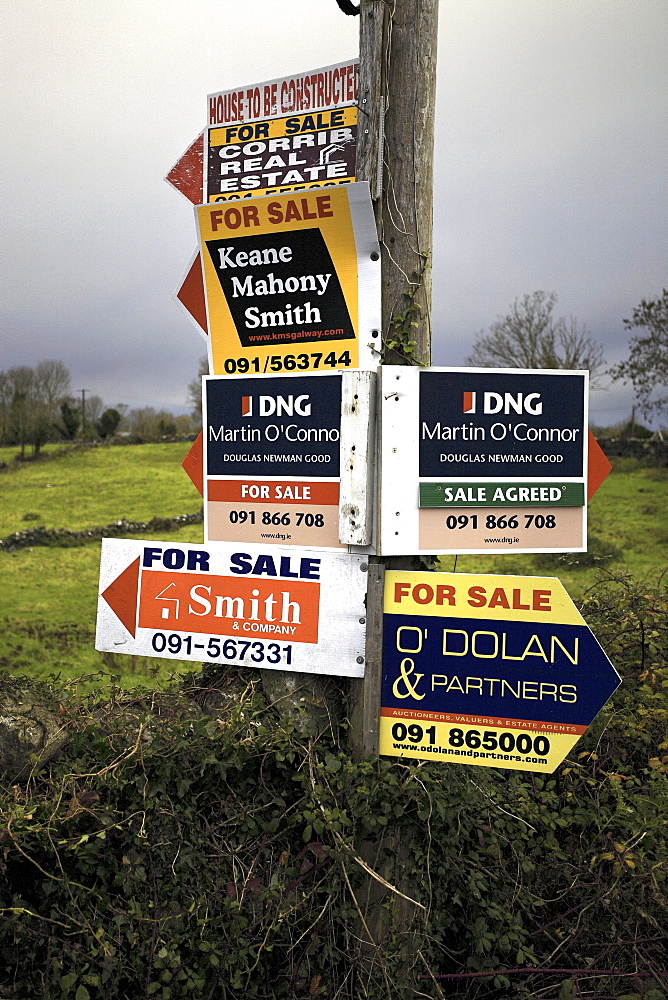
[[168, 854], [646, 367], [172, 853]]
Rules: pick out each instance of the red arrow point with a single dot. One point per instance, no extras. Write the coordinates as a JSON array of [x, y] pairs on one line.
[[121, 596], [191, 294], [598, 466], [193, 463], [187, 173]]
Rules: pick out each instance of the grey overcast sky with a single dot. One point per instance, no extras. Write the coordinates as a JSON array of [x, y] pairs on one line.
[[551, 169]]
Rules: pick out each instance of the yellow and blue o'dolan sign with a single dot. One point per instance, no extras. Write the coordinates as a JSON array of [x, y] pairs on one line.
[[495, 671]]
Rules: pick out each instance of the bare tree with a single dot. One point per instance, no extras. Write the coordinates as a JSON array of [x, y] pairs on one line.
[[194, 397], [647, 364], [29, 401], [23, 406], [94, 409], [53, 383], [529, 336]]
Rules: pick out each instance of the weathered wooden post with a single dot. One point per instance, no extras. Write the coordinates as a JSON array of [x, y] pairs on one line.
[[398, 45], [395, 153]]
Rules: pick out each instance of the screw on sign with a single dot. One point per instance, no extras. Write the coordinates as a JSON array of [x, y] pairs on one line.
[[495, 671]]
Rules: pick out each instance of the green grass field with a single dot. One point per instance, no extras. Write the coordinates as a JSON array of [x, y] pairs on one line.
[[49, 595], [84, 487]]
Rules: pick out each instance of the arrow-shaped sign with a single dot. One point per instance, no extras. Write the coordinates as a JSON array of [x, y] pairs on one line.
[[598, 466], [187, 174], [496, 671], [193, 463], [191, 294], [279, 609], [121, 596]]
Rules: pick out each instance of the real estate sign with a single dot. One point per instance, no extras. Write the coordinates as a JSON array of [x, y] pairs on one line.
[[311, 91], [292, 282], [283, 453], [495, 671], [293, 153], [482, 460], [224, 603]]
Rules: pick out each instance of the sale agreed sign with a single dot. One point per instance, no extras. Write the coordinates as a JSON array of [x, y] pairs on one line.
[[275, 446], [496, 671], [292, 282], [233, 604], [482, 460]]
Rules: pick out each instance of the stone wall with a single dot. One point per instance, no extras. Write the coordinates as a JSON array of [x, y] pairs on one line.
[[653, 451]]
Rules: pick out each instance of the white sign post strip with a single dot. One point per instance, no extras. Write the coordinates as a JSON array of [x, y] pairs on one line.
[[480, 460], [268, 608], [286, 455]]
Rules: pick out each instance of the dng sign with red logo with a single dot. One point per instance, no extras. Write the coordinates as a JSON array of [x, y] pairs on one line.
[[273, 458], [483, 460]]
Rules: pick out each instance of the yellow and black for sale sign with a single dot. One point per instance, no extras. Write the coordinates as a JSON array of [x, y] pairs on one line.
[[292, 282], [494, 671]]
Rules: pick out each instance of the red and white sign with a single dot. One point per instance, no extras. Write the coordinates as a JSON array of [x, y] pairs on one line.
[[187, 174], [227, 603], [328, 87]]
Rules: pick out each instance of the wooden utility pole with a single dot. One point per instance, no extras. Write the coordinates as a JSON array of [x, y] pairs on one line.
[[395, 146], [397, 90], [395, 153]]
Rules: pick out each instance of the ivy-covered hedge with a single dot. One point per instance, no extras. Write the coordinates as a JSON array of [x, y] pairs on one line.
[[170, 854]]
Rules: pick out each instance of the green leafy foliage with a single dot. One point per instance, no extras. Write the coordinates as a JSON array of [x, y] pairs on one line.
[[171, 854], [404, 325]]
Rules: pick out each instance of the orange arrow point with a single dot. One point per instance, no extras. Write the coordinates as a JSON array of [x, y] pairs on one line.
[[598, 466], [191, 294], [187, 173], [193, 463], [121, 596]]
